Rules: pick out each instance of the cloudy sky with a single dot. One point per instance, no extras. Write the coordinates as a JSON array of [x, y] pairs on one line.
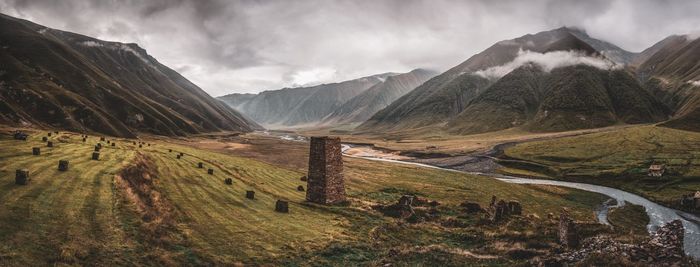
[[249, 46]]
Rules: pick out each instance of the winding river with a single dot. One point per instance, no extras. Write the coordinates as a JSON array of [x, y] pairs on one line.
[[658, 214]]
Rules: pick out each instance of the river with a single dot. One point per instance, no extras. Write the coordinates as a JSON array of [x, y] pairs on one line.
[[658, 214]]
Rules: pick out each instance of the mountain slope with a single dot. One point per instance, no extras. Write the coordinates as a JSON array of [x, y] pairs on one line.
[[673, 75], [59, 79], [445, 96], [302, 105], [363, 106], [567, 98]]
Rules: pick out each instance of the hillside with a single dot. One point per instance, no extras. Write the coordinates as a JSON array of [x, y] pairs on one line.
[[57, 79], [442, 98], [673, 75], [363, 106], [567, 98], [144, 206], [301, 105]]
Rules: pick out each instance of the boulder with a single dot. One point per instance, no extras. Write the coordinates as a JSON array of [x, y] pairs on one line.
[[402, 209], [300, 188], [471, 207]]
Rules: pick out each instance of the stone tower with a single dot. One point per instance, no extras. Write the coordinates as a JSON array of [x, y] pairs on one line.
[[325, 183]]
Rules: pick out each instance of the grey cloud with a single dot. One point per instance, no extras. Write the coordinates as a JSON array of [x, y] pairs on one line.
[[249, 46]]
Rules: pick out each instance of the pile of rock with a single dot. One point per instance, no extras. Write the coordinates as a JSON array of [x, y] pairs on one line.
[[663, 248], [691, 202], [411, 208]]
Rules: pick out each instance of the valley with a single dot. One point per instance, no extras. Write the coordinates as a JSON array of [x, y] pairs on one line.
[[313, 144]]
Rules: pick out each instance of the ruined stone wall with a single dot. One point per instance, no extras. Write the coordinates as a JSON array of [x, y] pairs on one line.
[[325, 183]]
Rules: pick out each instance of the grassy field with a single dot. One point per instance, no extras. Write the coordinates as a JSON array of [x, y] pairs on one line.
[[619, 159], [166, 211]]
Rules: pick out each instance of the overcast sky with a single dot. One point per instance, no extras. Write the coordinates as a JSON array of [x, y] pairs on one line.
[[250, 46]]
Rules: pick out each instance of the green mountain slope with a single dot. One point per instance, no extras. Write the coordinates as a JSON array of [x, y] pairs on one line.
[[363, 106], [53, 78]]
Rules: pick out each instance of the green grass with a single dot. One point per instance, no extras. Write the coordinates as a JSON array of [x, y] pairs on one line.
[[629, 219], [619, 159], [83, 217]]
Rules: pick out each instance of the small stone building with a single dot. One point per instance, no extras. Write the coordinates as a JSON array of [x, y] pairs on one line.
[[657, 170], [325, 184]]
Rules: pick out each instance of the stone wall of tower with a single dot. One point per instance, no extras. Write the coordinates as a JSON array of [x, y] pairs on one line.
[[325, 184]]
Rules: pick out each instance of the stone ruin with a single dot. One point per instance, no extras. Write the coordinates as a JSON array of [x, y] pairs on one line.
[[36, 151], [412, 208], [325, 183], [63, 165], [501, 209], [228, 181], [568, 233], [95, 155], [22, 177], [210, 171], [282, 206], [250, 194], [662, 248]]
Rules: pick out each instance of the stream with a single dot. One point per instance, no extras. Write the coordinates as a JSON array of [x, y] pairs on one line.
[[658, 214]]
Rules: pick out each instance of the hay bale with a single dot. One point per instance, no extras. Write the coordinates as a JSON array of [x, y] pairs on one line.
[[228, 181], [36, 151], [102, 139], [49, 144], [140, 146], [300, 188], [182, 154], [22, 177], [114, 144], [49, 134], [200, 165], [63, 165], [84, 140], [134, 143], [44, 139], [178, 156], [210, 171], [95, 155], [250, 194], [282, 206], [170, 150]]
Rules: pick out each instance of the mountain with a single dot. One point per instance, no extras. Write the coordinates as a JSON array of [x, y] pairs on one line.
[[363, 106], [567, 98], [672, 72], [443, 97], [302, 105], [59, 79]]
